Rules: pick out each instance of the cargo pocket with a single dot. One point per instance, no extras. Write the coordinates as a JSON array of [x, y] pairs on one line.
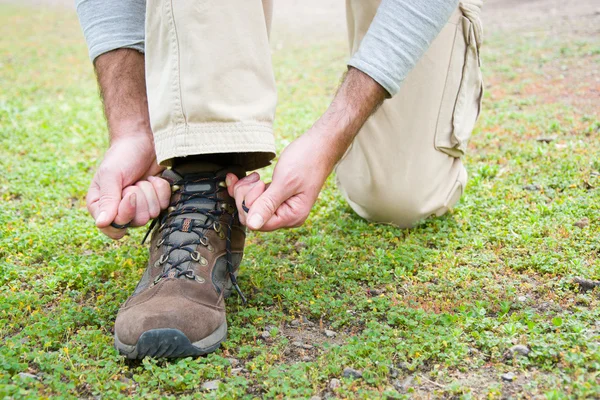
[[463, 92]]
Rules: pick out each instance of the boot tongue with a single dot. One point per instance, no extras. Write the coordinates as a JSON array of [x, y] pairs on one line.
[[192, 179]]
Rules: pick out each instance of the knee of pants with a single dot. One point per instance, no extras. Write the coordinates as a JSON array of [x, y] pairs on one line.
[[407, 204]]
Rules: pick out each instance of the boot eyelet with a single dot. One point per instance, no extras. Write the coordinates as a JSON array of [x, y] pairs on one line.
[[204, 241], [203, 261], [217, 227], [199, 279], [210, 248], [175, 188], [221, 234], [196, 256], [163, 259], [170, 209], [160, 242], [222, 184]]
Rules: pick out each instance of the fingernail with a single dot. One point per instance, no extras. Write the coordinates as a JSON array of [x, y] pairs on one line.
[[132, 200], [256, 221], [101, 217], [228, 180]]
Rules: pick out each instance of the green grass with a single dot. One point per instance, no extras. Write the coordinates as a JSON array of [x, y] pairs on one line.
[[440, 304]]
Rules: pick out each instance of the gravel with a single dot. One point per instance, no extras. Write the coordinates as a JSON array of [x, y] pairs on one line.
[[351, 373]]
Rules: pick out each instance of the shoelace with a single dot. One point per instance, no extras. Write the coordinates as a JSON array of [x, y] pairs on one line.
[[196, 227]]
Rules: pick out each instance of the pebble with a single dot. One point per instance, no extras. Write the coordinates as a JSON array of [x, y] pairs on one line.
[[404, 365], [520, 349], [404, 385], [532, 188], [306, 321], [295, 323], [306, 359], [351, 373], [211, 385], [233, 362], [27, 375], [316, 398], [522, 299], [582, 223], [329, 333], [508, 377], [307, 346], [393, 373], [265, 335], [334, 384], [297, 344], [235, 371]]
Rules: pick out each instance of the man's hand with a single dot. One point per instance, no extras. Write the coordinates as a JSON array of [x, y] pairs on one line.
[[124, 189], [297, 180], [305, 164]]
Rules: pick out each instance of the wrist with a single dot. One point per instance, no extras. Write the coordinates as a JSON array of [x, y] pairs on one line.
[[130, 128]]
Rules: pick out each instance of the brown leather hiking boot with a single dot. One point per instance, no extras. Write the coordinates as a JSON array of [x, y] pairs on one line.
[[178, 308]]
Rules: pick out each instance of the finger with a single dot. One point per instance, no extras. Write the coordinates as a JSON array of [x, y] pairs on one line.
[[125, 213], [230, 181], [292, 213], [151, 198], [142, 214], [265, 206], [253, 190], [233, 182], [162, 189], [109, 187]]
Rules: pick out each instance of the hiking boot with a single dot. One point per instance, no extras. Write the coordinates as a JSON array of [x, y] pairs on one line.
[[178, 308]]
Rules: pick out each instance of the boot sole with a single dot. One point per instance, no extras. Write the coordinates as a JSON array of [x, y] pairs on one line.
[[171, 343]]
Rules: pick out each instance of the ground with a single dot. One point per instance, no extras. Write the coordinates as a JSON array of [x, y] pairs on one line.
[[431, 312]]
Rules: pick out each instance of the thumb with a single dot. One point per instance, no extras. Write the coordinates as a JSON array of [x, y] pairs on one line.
[[110, 196], [266, 205]]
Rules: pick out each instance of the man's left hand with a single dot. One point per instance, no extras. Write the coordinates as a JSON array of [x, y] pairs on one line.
[[297, 180]]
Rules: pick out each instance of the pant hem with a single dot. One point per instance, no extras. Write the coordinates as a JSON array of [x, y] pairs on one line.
[[218, 137]]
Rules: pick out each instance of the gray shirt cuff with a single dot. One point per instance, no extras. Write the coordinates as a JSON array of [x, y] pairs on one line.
[[112, 24], [398, 37]]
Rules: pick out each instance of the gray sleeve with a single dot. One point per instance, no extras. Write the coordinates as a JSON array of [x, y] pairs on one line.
[[112, 24], [399, 35]]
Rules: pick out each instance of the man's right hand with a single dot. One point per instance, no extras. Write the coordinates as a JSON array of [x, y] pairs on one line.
[[125, 189]]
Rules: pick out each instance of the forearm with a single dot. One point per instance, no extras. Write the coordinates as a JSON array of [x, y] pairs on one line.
[[122, 82], [356, 99]]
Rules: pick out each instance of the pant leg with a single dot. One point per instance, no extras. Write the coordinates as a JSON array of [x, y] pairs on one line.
[[405, 164], [209, 78]]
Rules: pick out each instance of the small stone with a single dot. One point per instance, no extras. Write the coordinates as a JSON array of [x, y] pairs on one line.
[[522, 299], [393, 373], [265, 335], [582, 223], [329, 333], [26, 375], [508, 377], [233, 362], [351, 373], [586, 284], [520, 349], [306, 359], [236, 371], [404, 385], [404, 366], [374, 292], [546, 139], [295, 323], [211, 385], [306, 321], [532, 188], [297, 344], [307, 346], [334, 384], [316, 398]]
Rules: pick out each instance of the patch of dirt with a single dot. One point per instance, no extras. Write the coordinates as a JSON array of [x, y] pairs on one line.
[[307, 340]]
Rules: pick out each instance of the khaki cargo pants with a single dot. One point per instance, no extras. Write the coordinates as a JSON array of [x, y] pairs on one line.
[[211, 90]]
